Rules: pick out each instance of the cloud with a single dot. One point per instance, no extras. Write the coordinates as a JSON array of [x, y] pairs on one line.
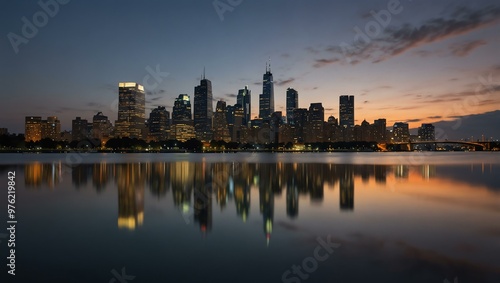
[[323, 62], [232, 95], [424, 53], [434, 117], [394, 41], [285, 55], [284, 82], [413, 120], [464, 48]]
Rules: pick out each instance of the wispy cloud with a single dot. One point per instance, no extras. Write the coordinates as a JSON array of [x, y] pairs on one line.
[[397, 40], [464, 48], [285, 82], [323, 62], [413, 120]]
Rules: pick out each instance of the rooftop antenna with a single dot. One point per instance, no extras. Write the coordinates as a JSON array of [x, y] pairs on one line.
[[203, 72], [269, 63]]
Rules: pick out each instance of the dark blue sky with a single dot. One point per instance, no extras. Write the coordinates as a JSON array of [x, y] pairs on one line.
[[430, 62]]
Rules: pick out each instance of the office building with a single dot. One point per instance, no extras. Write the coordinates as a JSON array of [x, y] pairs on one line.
[[102, 128], [131, 111], [181, 113], [221, 129], [266, 99], [203, 110], [51, 128], [400, 132], [33, 128], [379, 131], [315, 122], [244, 98], [427, 132], [300, 117], [346, 111], [79, 129], [159, 124], [292, 102]]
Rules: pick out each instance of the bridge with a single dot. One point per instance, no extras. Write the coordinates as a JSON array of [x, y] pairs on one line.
[[478, 146]]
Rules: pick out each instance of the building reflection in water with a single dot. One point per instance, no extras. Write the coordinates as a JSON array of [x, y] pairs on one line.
[[198, 187], [130, 179], [346, 185], [240, 179], [38, 174]]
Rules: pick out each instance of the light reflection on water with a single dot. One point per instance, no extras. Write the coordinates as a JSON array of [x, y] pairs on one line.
[[396, 222]]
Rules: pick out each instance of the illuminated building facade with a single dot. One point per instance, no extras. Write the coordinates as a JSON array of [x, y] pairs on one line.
[[131, 111]]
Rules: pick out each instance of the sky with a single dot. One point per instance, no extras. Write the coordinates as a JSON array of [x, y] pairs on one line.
[[410, 61]]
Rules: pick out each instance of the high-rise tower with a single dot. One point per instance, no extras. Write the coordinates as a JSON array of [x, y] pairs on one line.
[[346, 111], [292, 102], [131, 111], [203, 110], [244, 99], [266, 99], [181, 112]]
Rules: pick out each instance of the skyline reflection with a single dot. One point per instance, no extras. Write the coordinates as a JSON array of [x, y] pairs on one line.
[[197, 187]]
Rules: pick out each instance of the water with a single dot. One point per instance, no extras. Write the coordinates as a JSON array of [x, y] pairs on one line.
[[252, 217]]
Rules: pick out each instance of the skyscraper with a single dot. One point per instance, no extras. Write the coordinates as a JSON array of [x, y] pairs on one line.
[[346, 111], [182, 125], [101, 127], [181, 112], [300, 116], [315, 123], [401, 132], [51, 128], [266, 99], [380, 131], [244, 99], [292, 102], [203, 110], [32, 128], [131, 111], [221, 129], [159, 124], [427, 132], [79, 129]]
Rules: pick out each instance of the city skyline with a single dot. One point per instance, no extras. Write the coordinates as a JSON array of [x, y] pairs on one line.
[[443, 66], [132, 107]]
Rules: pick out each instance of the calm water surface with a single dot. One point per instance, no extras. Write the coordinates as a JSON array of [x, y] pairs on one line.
[[255, 217]]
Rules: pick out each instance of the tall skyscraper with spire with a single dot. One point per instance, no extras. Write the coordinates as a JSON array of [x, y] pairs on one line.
[[266, 99], [203, 110], [244, 99]]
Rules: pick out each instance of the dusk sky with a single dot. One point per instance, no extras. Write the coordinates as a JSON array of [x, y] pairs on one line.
[[432, 61]]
